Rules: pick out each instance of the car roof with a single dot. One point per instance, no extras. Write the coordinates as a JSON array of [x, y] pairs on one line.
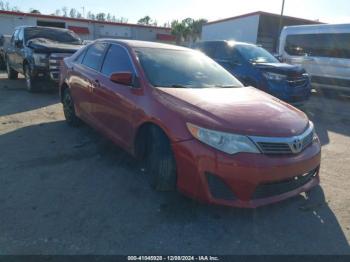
[[143, 44], [227, 42]]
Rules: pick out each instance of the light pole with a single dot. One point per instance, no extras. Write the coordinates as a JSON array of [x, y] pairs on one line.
[[280, 26], [281, 18], [83, 7]]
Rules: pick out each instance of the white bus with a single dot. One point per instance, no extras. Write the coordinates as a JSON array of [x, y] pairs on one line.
[[323, 50]]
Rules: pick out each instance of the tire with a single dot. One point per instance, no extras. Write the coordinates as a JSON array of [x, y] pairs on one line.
[[160, 162], [69, 109], [31, 82], [11, 74], [2, 63]]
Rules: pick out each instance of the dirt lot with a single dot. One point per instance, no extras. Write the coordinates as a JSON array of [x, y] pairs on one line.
[[69, 191]]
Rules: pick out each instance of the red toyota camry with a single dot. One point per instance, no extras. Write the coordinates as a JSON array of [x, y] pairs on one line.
[[197, 128]]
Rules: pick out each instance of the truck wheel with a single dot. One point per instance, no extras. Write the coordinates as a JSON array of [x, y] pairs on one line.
[[69, 109], [31, 83], [11, 74], [2, 63], [160, 162]]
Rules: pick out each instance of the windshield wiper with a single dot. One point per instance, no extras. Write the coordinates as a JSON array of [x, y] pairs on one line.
[[226, 86], [179, 86]]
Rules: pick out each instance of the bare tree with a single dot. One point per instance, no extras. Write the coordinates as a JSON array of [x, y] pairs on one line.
[[34, 11], [65, 11], [101, 17], [73, 13], [146, 20]]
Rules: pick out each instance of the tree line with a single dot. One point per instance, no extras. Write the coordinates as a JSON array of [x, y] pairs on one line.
[[186, 30]]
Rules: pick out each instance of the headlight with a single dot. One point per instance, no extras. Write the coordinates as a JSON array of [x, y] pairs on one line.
[[225, 142], [274, 76], [315, 137], [40, 59]]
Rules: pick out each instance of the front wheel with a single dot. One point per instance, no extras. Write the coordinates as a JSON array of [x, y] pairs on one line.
[[31, 82], [69, 109], [160, 162], [11, 74]]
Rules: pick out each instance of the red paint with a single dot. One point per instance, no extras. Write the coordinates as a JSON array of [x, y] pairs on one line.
[[79, 30], [166, 37], [118, 111]]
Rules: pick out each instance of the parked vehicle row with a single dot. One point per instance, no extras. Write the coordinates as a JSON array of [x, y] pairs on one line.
[[254, 66], [36, 52], [198, 129], [184, 112]]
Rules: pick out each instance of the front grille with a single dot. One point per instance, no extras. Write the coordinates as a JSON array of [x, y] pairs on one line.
[[218, 188], [55, 61], [285, 145], [284, 148], [297, 81], [275, 148], [281, 187]]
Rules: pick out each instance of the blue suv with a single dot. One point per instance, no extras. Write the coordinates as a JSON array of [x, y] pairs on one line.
[[254, 66]]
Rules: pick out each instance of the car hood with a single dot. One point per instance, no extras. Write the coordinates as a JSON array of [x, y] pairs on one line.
[[245, 110], [44, 45], [281, 68]]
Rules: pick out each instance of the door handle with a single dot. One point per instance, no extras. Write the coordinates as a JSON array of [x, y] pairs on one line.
[[95, 84]]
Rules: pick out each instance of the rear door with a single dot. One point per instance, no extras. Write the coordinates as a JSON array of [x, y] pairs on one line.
[[115, 105], [82, 77]]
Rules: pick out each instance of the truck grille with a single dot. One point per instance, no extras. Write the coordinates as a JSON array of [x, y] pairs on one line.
[[55, 61], [282, 145], [297, 81]]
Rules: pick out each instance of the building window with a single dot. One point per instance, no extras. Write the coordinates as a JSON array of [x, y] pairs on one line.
[[51, 24]]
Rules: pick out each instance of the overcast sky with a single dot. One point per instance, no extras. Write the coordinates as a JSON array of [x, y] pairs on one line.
[[332, 11]]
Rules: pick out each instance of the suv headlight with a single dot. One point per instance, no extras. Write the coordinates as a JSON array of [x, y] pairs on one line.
[[274, 76], [40, 59], [225, 142]]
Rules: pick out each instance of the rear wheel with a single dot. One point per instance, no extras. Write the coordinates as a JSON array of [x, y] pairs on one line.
[[11, 74], [160, 162], [31, 83], [69, 109]]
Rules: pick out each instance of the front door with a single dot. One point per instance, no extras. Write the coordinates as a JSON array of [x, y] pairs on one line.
[[114, 105]]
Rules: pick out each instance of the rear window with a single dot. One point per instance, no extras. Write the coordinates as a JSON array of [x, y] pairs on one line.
[[321, 45]]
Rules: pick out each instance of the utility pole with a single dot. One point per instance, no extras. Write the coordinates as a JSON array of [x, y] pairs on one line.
[[281, 18], [83, 7], [280, 26]]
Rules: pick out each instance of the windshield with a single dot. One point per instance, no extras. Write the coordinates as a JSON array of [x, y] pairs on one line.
[[183, 69], [57, 35], [255, 54]]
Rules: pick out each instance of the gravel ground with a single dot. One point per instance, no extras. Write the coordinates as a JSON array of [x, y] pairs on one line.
[[69, 191]]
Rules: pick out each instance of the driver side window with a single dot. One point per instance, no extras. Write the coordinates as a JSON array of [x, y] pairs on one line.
[[117, 60]]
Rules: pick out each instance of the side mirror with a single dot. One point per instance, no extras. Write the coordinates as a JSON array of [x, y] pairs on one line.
[[123, 78]]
